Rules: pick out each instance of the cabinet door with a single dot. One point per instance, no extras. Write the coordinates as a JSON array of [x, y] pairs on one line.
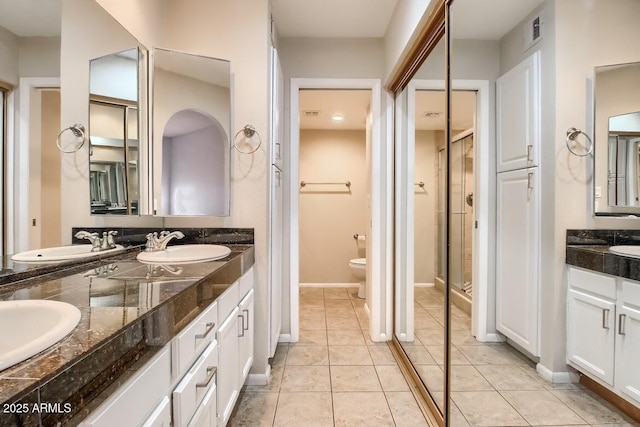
[[161, 416], [591, 334], [518, 115], [246, 336], [627, 375], [517, 257], [227, 375], [206, 414]]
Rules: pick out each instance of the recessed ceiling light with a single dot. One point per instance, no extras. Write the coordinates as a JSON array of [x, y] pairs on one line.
[[337, 118]]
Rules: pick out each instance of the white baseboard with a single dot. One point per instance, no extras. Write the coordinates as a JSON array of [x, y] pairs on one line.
[[259, 379], [423, 285], [329, 285], [566, 377], [492, 337], [285, 338]]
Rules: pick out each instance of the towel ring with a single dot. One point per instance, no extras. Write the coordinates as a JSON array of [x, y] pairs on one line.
[[78, 131], [572, 134], [248, 131]]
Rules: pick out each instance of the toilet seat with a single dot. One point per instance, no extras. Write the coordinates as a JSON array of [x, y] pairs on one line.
[[358, 262]]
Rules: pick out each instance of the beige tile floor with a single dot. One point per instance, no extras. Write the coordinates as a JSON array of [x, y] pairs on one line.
[[492, 384], [334, 376]]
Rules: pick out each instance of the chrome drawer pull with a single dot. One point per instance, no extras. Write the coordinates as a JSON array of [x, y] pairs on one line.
[[247, 328], [211, 372], [621, 324], [605, 318], [242, 327], [210, 326], [529, 150]]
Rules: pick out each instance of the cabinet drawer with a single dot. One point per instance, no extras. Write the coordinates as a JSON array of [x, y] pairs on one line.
[[228, 301], [194, 386], [138, 397], [594, 283], [190, 342], [246, 283], [161, 416], [206, 414], [631, 293]]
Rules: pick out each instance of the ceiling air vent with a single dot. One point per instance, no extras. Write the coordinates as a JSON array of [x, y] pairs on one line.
[[311, 113]]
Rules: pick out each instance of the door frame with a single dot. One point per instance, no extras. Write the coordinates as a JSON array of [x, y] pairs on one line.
[[379, 245], [483, 328], [18, 165]]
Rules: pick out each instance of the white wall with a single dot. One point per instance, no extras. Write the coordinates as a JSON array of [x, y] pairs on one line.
[[9, 56], [426, 204], [331, 215], [191, 163]]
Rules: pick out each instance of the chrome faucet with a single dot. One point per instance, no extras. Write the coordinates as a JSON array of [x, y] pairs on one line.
[[159, 243], [97, 243]]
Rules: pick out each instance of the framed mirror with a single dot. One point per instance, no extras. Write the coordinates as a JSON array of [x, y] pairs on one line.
[[191, 108], [617, 139]]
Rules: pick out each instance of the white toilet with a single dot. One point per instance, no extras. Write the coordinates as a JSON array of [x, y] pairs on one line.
[[358, 268]]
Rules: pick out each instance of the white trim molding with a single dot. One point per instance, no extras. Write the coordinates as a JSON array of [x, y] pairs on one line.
[[567, 377], [259, 379]]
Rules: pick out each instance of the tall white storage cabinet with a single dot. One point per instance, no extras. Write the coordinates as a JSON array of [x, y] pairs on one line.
[[518, 204]]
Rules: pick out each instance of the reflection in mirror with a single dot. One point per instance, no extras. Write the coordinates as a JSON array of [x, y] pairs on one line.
[[113, 134], [616, 138], [191, 128], [420, 302]]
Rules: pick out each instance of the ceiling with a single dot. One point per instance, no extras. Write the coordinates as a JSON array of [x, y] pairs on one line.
[[351, 104]]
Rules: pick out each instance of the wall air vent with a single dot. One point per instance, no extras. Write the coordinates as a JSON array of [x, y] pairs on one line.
[[311, 113], [533, 31]]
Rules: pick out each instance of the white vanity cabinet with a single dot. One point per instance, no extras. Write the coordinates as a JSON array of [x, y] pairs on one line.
[[590, 323], [627, 377], [603, 330]]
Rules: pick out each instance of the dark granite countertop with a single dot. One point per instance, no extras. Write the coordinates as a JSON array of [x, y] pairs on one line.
[[590, 249], [129, 311]]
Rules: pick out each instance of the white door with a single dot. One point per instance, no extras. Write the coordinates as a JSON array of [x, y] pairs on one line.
[[627, 375], [227, 373], [591, 334], [518, 115], [517, 257], [277, 126]]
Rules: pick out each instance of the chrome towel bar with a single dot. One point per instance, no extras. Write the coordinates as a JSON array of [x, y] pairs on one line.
[[305, 183]]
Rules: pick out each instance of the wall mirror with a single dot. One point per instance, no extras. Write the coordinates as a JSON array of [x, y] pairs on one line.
[[114, 148], [191, 107], [617, 139]]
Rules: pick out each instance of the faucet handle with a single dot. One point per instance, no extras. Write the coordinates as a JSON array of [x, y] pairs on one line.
[[110, 241]]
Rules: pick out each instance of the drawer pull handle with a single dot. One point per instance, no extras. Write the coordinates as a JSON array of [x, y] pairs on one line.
[[211, 372], [529, 150], [247, 328], [621, 324], [242, 327], [605, 318], [210, 326]]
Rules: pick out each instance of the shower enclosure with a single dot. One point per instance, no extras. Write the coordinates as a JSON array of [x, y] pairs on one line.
[[461, 244]]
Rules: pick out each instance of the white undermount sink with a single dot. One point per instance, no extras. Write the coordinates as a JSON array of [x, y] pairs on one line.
[[626, 250], [31, 326], [184, 254], [61, 253]]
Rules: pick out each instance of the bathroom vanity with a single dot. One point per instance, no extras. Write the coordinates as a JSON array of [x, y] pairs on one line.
[[156, 345], [603, 310]]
